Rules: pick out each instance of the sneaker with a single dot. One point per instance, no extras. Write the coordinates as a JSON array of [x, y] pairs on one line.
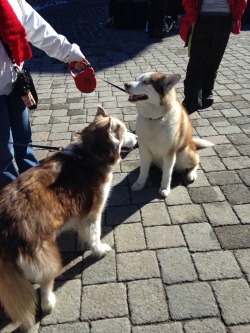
[[110, 22], [207, 101]]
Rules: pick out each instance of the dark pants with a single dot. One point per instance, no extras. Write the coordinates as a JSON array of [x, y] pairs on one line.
[[111, 7], [173, 8], [209, 41], [155, 15]]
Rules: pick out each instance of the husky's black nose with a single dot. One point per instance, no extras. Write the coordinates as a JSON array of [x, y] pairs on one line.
[[126, 85]]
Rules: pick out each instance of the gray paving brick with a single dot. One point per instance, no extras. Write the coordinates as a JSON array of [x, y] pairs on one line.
[[206, 194], [119, 196], [243, 258], [230, 113], [228, 129], [235, 163], [122, 214], [219, 139], [240, 329], [226, 151], [216, 265], [69, 312], [212, 163], [236, 193], [164, 237], [129, 237], [223, 178], [187, 214], [176, 265], [233, 297], [244, 150], [191, 300], [104, 301], [111, 326], [234, 237], [178, 196], [154, 214], [210, 325], [40, 136], [245, 176], [59, 136], [137, 265], [147, 301], [206, 131], [243, 212], [99, 271], [159, 328], [66, 328], [239, 139], [62, 127], [200, 237], [41, 120], [220, 213], [146, 195]]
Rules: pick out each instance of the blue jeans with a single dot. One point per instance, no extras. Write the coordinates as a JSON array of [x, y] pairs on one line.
[[14, 126]]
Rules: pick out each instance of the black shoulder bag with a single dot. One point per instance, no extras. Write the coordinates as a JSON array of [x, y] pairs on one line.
[[24, 82]]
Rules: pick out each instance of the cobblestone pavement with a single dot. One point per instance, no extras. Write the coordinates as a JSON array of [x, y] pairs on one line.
[[179, 265]]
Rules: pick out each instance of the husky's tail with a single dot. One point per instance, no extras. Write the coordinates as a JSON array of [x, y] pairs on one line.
[[17, 295], [201, 143]]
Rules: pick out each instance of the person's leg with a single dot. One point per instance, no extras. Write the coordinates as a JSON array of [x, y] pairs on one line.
[[155, 18], [219, 36], [21, 132], [193, 80], [111, 13], [8, 171]]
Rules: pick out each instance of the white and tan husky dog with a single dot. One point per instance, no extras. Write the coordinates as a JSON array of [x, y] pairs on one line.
[[164, 130]]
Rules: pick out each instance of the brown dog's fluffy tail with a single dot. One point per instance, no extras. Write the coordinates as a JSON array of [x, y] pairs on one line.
[[17, 295]]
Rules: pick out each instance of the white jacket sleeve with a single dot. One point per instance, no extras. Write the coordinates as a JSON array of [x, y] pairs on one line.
[[43, 36]]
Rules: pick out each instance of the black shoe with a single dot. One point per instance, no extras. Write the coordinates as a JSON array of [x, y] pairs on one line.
[[207, 101], [190, 107]]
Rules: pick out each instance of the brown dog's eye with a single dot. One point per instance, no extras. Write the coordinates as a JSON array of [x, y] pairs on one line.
[[146, 82]]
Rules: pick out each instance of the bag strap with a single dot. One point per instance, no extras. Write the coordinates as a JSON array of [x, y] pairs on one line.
[[8, 51]]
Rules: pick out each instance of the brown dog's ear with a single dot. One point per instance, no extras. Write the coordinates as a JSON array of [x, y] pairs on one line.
[[101, 112], [170, 81]]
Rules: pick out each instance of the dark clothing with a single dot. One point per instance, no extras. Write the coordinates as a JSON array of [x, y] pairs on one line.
[[173, 8], [155, 17], [111, 7], [209, 41]]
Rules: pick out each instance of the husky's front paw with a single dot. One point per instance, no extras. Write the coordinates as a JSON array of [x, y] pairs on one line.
[[137, 186], [101, 250], [164, 192], [191, 175], [48, 303]]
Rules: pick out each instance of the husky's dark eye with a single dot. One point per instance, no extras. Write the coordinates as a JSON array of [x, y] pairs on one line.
[[146, 82]]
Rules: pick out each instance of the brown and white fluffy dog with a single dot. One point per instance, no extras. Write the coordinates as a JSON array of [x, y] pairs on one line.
[[69, 189], [164, 130]]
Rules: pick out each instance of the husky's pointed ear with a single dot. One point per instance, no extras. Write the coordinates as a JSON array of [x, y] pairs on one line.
[[101, 112], [170, 81]]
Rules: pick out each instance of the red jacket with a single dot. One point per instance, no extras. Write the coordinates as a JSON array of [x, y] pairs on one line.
[[191, 7]]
